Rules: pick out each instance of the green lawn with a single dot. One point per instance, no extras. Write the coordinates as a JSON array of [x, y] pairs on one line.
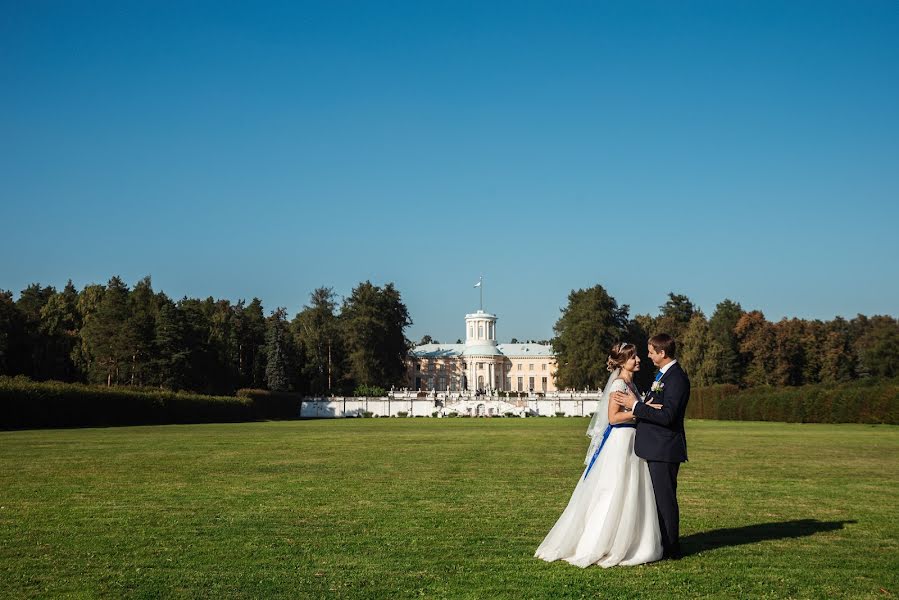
[[454, 508]]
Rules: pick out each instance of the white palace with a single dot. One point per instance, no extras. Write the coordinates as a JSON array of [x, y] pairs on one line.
[[480, 364], [477, 378]]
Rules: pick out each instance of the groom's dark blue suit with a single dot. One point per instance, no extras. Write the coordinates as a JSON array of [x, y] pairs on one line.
[[661, 441]]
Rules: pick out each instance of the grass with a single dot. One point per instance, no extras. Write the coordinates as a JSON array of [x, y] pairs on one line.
[[434, 508]]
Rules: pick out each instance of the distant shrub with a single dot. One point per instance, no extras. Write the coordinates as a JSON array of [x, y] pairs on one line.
[[366, 414], [28, 404], [369, 391], [560, 413], [402, 414], [862, 401]]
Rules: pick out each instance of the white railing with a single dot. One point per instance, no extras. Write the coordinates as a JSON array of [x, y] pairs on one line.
[[440, 404]]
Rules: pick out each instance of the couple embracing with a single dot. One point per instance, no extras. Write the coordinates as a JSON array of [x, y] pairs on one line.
[[624, 510]]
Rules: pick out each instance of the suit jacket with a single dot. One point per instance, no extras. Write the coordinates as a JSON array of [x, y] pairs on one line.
[[660, 432]]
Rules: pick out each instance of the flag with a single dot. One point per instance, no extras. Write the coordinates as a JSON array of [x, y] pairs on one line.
[[478, 284]]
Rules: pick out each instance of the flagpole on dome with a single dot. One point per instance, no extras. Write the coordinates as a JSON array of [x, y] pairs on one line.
[[480, 285]]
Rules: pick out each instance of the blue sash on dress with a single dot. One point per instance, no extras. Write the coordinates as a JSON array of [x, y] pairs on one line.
[[605, 436]]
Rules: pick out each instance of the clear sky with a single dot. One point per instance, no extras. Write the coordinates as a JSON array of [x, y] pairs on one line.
[[743, 150]]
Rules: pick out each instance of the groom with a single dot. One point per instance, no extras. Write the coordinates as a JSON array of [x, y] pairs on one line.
[[660, 435]]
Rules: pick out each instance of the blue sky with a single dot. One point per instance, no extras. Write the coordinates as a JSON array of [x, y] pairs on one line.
[[742, 150]]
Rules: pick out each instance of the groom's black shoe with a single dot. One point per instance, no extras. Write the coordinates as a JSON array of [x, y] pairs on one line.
[[672, 552]]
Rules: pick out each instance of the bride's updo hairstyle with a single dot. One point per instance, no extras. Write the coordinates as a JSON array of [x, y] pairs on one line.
[[620, 354]]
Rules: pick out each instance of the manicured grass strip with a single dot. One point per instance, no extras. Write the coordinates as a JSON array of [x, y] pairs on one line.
[[436, 508]]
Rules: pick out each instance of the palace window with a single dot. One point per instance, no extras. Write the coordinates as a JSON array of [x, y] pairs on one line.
[[520, 384], [543, 383], [480, 331], [543, 367], [530, 384], [519, 366], [531, 367]]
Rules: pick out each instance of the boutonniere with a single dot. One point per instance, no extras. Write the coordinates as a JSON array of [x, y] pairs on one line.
[[657, 386]]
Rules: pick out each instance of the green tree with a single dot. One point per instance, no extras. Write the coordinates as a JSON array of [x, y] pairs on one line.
[[36, 361], [877, 345], [837, 358], [224, 346], [789, 352], [251, 344], [813, 336], [756, 338], [60, 324], [700, 354], [722, 325], [87, 305], [278, 366], [107, 342], [141, 331], [590, 325], [172, 347], [198, 316], [674, 317], [373, 322], [317, 335], [12, 332]]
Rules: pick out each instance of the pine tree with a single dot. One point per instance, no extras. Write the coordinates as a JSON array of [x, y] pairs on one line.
[[721, 329], [12, 336], [316, 332], [141, 330], [277, 350], [171, 347], [36, 361]]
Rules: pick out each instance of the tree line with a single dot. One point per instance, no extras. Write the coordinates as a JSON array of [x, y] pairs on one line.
[[115, 335], [732, 346]]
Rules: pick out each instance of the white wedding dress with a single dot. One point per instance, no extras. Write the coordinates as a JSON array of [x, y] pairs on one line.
[[611, 518]]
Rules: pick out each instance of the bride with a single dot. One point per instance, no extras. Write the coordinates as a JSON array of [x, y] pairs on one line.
[[611, 518]]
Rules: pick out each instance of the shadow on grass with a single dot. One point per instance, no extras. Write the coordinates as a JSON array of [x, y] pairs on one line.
[[751, 534]]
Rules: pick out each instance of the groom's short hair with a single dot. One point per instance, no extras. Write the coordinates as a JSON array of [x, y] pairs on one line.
[[663, 342]]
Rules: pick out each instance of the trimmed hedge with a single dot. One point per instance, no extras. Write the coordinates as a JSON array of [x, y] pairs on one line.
[[27, 404], [862, 401]]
